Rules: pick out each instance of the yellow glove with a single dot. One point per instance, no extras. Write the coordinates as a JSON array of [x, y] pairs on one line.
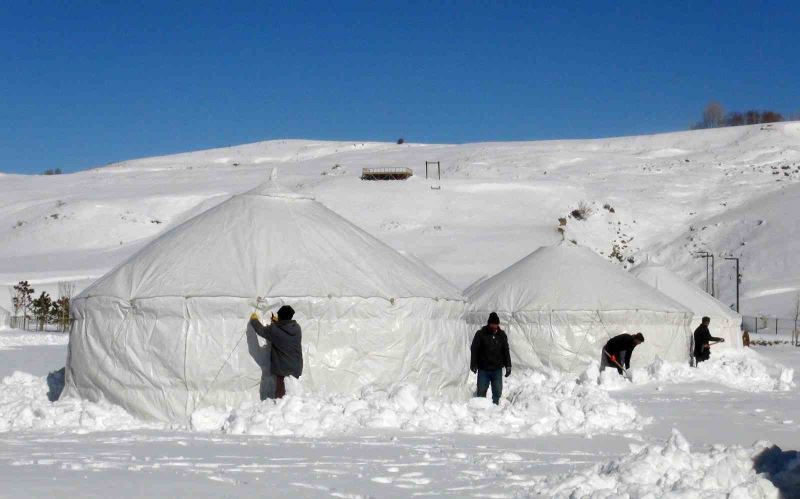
[[253, 316], [274, 318]]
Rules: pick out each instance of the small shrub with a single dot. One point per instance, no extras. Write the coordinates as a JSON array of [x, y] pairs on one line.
[[582, 212]]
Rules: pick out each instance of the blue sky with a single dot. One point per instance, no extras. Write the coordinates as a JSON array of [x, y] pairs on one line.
[[86, 84]]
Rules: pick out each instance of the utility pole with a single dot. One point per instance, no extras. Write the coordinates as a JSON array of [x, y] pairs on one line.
[[707, 255], [738, 281], [713, 287]]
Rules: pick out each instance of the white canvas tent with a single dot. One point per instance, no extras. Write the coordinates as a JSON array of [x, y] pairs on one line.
[[560, 304], [166, 332], [725, 323], [5, 318]]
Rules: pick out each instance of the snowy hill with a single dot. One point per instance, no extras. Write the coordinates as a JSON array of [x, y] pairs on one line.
[[732, 190]]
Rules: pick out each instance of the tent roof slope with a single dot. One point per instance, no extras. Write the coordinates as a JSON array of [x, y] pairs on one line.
[[691, 296], [566, 277], [269, 242]]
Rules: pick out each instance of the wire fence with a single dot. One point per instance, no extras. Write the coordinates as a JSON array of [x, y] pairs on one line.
[[61, 325], [781, 328]]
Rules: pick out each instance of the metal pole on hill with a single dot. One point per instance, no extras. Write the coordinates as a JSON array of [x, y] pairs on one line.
[[738, 281], [713, 287]]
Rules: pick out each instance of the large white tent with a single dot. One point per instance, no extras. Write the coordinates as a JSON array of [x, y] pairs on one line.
[[5, 318], [560, 304], [725, 323], [166, 332]]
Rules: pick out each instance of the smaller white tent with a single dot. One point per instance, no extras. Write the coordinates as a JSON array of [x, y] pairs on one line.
[[560, 304], [5, 318], [725, 323]]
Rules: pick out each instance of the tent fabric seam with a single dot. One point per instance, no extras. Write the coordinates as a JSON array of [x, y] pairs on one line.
[[131, 300]]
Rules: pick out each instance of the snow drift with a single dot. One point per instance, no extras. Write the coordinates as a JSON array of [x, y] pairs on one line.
[[740, 369], [24, 405], [671, 469], [166, 331], [536, 404]]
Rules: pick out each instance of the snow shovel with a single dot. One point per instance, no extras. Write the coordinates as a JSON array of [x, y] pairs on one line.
[[625, 372]]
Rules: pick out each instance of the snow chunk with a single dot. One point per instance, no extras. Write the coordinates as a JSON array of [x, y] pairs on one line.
[[671, 470], [537, 404]]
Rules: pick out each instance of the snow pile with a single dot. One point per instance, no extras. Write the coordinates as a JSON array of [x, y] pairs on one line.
[[534, 404], [24, 405], [15, 339], [667, 470], [739, 369]]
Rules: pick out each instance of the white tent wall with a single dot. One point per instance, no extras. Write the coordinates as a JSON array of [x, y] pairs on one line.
[[347, 343], [5, 318], [571, 340], [725, 323]]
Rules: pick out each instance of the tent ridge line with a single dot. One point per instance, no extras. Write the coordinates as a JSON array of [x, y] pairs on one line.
[[582, 310], [131, 300]]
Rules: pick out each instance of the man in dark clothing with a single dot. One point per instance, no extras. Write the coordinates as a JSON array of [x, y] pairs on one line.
[[489, 356], [702, 341], [286, 354], [618, 351]]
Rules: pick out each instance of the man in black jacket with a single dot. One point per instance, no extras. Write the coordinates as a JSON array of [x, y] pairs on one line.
[[702, 341], [286, 354], [618, 351], [489, 356]]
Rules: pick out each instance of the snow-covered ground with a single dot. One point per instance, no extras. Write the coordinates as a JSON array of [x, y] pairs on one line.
[[672, 430], [726, 429]]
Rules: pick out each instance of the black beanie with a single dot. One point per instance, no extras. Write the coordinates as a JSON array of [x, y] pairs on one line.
[[639, 336], [285, 313], [493, 318]]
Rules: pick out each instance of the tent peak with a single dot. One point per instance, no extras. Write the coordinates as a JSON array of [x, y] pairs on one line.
[[271, 188]]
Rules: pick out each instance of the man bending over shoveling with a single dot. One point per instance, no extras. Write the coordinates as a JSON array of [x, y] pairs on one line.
[[703, 341], [618, 351], [285, 352]]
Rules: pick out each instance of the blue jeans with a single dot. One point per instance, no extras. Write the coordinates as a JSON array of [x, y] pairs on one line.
[[493, 377]]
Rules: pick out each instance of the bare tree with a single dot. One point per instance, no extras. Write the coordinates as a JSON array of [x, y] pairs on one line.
[[713, 115], [66, 290]]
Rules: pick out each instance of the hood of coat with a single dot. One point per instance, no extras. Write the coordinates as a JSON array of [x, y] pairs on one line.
[[290, 327]]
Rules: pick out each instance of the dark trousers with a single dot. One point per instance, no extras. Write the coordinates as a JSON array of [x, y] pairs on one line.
[[493, 377], [280, 387]]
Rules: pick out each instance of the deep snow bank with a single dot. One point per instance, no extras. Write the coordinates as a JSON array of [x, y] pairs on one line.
[[535, 404], [739, 369], [673, 470], [24, 405]]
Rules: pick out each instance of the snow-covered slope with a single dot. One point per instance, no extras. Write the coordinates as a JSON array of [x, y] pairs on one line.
[[497, 203]]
